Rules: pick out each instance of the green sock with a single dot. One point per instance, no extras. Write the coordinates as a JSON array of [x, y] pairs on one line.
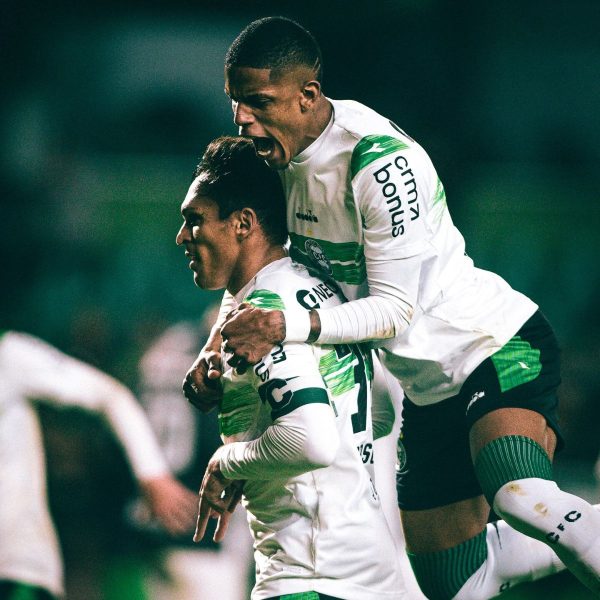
[[441, 574], [510, 458]]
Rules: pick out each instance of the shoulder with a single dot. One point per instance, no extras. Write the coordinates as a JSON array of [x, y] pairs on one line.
[[371, 137], [287, 285]]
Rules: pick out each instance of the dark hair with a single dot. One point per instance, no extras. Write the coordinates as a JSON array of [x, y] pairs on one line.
[[234, 177], [275, 43]]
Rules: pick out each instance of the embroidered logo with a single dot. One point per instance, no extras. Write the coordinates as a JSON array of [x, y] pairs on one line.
[[401, 457], [316, 254]]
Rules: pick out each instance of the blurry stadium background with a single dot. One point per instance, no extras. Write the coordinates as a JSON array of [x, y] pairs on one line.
[[106, 107]]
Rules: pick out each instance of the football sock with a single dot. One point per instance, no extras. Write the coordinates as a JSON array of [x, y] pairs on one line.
[[515, 474], [484, 566]]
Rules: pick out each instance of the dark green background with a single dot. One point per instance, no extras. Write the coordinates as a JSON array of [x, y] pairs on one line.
[[106, 107]]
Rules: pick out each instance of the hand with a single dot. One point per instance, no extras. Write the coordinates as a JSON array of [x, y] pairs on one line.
[[202, 384], [219, 497], [250, 333], [171, 503]]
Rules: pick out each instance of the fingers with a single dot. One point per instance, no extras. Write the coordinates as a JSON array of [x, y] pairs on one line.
[[222, 525], [231, 499], [202, 385], [240, 364], [236, 496], [204, 513], [214, 369], [216, 502], [203, 401]]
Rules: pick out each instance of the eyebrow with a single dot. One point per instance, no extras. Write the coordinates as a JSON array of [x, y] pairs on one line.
[[248, 97], [188, 210]]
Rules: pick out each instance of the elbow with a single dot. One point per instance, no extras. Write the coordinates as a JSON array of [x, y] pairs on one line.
[[322, 455]]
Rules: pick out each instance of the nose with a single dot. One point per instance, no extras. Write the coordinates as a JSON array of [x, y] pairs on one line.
[[182, 235], [242, 114]]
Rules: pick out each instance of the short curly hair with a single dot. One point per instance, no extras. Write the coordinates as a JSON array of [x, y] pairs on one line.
[[234, 177]]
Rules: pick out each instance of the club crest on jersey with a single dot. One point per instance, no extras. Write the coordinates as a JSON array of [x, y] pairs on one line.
[[316, 254]]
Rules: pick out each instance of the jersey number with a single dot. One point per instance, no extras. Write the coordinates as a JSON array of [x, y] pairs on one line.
[[359, 418]]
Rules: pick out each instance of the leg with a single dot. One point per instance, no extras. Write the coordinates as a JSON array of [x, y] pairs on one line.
[[453, 553], [456, 554], [512, 449]]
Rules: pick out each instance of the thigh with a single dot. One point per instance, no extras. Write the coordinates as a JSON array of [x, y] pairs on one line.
[[516, 390], [512, 421]]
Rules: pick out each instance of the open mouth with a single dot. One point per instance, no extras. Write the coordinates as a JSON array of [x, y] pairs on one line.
[[263, 146]]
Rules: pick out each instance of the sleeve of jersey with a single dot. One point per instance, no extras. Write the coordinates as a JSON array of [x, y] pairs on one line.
[[298, 442], [394, 193], [48, 375], [303, 434]]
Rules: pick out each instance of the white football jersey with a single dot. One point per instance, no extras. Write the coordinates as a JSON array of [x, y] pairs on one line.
[[364, 194], [323, 530]]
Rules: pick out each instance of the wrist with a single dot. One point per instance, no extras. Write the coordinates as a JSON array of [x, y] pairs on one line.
[[214, 341], [297, 325], [315, 326]]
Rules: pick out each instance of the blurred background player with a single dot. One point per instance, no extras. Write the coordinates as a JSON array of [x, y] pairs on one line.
[[32, 371]]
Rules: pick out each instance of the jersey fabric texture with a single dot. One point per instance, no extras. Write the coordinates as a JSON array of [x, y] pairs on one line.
[[438, 469], [366, 207], [322, 530]]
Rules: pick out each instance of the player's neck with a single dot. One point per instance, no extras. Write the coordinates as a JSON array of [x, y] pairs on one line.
[[251, 262], [322, 116]]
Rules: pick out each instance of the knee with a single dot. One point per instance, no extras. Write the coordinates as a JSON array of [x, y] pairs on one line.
[[527, 504]]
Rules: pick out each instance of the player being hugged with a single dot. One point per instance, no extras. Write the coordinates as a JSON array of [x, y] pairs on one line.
[[292, 424]]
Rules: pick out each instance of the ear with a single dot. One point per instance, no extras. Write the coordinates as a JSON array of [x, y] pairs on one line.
[[246, 223], [311, 91]]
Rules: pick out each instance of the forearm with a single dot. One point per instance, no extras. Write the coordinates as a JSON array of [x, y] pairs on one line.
[[384, 314], [214, 340], [304, 440]]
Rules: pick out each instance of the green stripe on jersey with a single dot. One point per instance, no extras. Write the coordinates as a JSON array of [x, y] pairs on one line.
[[439, 202], [338, 373], [346, 259], [516, 363], [301, 397], [371, 148], [265, 299], [301, 596], [237, 410]]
